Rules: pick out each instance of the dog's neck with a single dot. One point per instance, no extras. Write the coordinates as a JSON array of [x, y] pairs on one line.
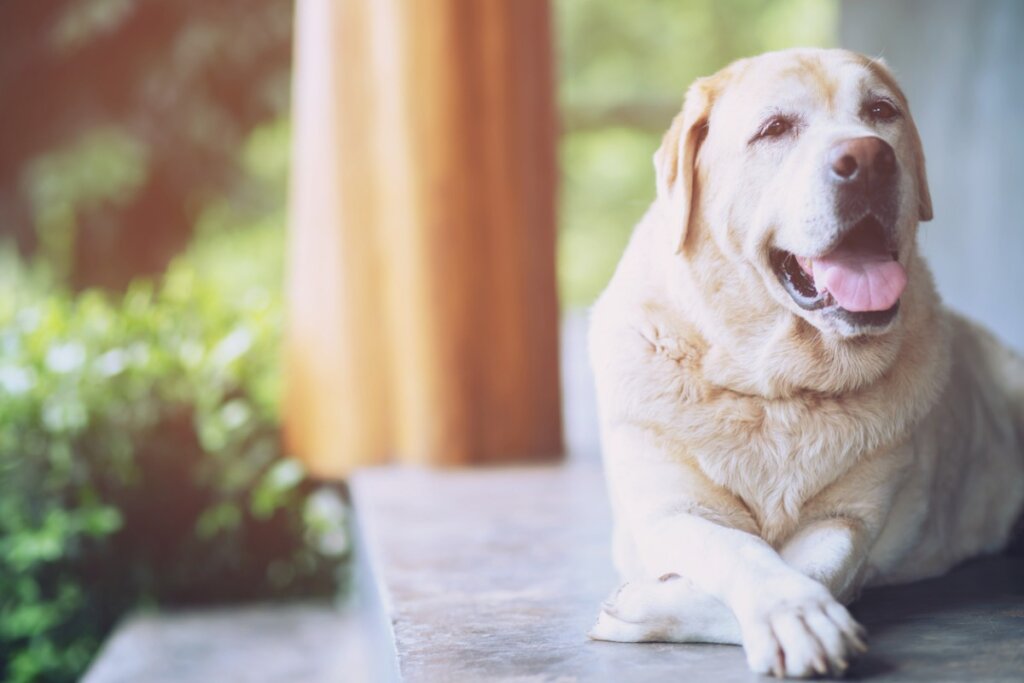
[[771, 352]]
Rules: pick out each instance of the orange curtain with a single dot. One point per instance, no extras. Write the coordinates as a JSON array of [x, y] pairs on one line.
[[421, 285]]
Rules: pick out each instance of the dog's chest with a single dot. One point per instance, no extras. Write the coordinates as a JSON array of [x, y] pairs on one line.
[[772, 457], [772, 454]]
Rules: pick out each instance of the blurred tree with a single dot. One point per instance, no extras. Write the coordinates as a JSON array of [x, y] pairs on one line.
[[123, 118]]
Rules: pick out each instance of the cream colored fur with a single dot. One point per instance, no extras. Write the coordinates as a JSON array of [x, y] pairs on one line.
[[765, 462]]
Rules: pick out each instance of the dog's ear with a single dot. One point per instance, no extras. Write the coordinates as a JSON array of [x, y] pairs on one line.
[[924, 195], [676, 159]]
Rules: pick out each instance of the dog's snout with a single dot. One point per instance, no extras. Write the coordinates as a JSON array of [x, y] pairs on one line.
[[863, 160], [863, 173]]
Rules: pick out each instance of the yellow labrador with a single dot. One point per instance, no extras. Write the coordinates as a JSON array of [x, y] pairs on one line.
[[788, 413]]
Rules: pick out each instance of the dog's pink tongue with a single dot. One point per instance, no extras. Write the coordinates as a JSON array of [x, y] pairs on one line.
[[860, 280]]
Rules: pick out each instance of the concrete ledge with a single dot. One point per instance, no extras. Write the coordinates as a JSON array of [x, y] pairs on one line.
[[311, 642], [496, 574]]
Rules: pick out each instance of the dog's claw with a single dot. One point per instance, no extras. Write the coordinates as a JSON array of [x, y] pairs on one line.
[[779, 668]]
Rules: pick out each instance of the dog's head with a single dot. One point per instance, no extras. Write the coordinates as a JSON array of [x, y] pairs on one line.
[[805, 169]]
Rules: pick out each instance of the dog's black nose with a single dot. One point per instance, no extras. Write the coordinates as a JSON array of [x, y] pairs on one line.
[[867, 161]]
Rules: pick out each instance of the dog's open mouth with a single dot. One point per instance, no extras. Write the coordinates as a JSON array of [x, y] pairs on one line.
[[860, 277]]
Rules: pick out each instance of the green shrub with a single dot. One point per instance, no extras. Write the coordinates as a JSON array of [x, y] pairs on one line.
[[140, 462]]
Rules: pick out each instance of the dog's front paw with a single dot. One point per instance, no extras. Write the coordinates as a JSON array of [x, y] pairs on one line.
[[800, 633], [668, 610]]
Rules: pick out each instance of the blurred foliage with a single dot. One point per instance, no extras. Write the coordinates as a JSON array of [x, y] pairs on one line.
[[123, 119], [141, 133], [623, 69], [139, 435], [139, 454]]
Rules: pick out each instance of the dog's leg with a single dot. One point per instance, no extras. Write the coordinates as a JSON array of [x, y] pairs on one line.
[[830, 551], [790, 624], [667, 610], [670, 609]]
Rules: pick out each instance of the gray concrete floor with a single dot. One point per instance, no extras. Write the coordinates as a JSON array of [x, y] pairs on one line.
[[497, 574]]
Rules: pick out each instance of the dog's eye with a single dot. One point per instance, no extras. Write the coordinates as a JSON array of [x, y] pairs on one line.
[[775, 126], [881, 110]]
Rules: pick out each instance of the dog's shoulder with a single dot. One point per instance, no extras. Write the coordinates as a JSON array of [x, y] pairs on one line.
[[642, 347]]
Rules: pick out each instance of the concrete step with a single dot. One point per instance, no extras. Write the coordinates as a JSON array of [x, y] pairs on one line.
[[314, 642], [325, 641], [496, 575]]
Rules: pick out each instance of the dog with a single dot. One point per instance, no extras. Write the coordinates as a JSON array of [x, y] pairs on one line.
[[788, 414]]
